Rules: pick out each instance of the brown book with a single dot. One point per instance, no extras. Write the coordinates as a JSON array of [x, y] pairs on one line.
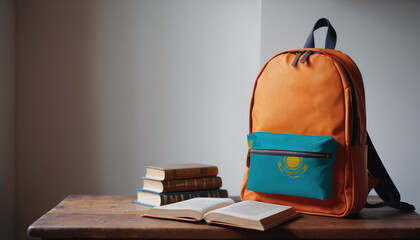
[[154, 199], [223, 211], [181, 185], [180, 171]]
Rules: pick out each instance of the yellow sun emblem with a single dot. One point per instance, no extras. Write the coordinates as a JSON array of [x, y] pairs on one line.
[[293, 167]]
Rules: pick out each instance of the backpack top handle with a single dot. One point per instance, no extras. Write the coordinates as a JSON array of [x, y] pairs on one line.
[[331, 38]]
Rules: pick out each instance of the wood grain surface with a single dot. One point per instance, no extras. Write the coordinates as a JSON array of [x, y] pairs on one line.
[[116, 217]]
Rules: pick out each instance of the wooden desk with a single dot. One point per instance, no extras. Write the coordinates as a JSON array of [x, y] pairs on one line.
[[116, 217]]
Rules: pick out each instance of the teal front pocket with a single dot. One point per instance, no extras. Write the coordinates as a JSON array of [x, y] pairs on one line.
[[289, 164]]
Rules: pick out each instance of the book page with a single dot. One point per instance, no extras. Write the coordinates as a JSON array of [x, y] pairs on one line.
[[201, 205], [251, 210]]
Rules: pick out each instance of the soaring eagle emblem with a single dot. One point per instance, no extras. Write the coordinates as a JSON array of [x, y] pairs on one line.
[[293, 167]]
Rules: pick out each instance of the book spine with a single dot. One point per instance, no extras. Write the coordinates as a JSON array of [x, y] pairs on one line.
[[191, 173], [192, 184], [167, 198]]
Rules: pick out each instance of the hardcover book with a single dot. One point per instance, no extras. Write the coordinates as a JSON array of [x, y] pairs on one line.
[[180, 171], [182, 185], [154, 199], [224, 211]]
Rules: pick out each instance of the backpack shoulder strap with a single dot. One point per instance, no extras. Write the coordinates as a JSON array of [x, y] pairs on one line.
[[386, 189]]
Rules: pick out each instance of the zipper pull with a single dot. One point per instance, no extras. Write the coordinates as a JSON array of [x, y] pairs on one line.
[[307, 53], [295, 61]]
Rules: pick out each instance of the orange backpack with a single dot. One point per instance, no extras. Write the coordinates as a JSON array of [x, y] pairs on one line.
[[306, 102]]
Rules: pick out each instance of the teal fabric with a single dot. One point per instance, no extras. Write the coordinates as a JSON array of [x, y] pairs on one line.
[[309, 177]]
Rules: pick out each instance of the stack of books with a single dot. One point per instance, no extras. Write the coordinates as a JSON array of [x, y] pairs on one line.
[[170, 183]]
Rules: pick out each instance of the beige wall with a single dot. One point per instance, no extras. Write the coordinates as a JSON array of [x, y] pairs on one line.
[[106, 87], [7, 119]]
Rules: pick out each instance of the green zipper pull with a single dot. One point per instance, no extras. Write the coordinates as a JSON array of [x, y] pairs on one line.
[[307, 53], [295, 61]]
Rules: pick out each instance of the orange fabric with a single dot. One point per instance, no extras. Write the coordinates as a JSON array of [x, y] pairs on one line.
[[314, 98]]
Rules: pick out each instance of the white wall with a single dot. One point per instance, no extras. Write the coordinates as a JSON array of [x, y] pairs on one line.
[[7, 119], [383, 38], [106, 87]]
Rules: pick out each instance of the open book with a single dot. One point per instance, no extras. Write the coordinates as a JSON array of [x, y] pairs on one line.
[[247, 214]]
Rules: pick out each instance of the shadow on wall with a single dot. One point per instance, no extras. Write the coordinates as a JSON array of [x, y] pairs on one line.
[[57, 112]]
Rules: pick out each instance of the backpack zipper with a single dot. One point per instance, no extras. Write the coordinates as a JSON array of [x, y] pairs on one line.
[[354, 126], [349, 80], [289, 153], [305, 54], [298, 55]]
